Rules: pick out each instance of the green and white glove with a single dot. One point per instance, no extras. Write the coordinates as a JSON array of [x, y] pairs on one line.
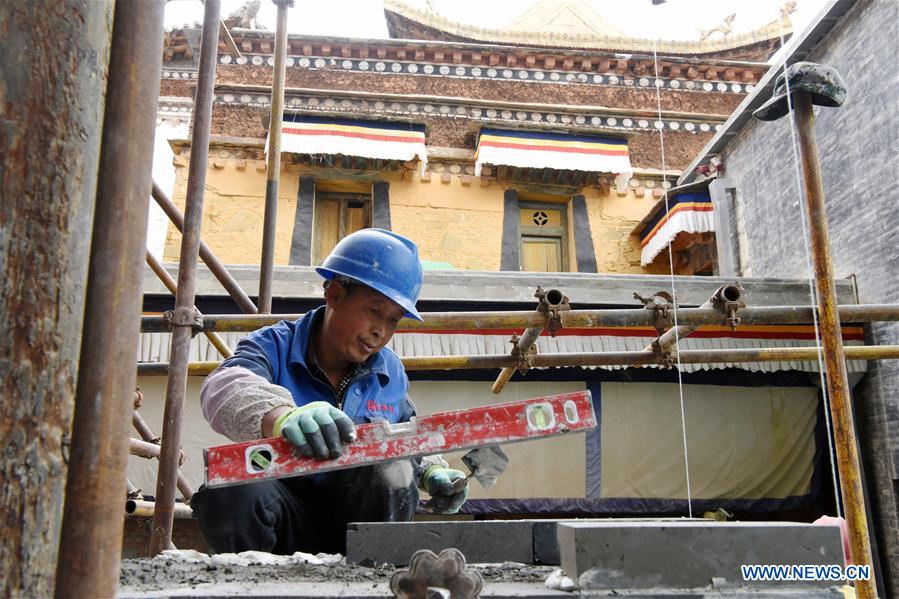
[[316, 429], [447, 487]]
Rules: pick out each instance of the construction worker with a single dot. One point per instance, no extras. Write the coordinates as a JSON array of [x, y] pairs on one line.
[[311, 381]]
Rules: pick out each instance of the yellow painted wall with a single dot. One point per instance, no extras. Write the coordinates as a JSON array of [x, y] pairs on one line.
[[233, 211], [452, 218], [612, 219], [450, 222]]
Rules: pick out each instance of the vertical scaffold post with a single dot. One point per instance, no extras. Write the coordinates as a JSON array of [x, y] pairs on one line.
[[273, 171], [184, 313], [50, 146], [93, 519], [832, 341]]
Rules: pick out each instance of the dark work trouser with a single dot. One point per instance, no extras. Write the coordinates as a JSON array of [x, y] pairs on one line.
[[295, 514]]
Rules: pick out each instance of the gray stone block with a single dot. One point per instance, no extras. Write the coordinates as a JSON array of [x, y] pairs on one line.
[[690, 554], [546, 543], [480, 542]]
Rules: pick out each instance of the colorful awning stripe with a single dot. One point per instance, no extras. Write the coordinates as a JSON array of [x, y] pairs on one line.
[[304, 134], [685, 212], [530, 149]]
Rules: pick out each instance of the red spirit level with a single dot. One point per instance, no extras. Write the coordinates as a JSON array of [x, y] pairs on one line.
[[426, 435]]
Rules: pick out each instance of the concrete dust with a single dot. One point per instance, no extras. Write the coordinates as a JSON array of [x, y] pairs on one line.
[[187, 569]]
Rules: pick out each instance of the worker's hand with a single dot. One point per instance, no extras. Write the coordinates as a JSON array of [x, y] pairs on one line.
[[448, 489], [316, 429]]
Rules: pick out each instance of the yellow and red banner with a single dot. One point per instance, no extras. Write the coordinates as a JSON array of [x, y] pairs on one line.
[[684, 212], [304, 134], [531, 149]]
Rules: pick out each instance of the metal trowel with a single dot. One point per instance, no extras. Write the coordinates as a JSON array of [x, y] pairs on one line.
[[484, 464]]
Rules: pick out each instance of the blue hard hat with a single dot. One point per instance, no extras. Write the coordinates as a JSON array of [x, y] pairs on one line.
[[379, 259]]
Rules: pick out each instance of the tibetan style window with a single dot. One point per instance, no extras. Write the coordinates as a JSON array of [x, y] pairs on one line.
[[336, 216], [544, 237]]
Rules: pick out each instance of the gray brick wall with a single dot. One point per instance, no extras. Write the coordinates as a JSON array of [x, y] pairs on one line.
[[858, 147]]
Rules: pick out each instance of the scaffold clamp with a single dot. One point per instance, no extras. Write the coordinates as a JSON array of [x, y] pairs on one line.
[[524, 358], [661, 303], [552, 303], [184, 317]]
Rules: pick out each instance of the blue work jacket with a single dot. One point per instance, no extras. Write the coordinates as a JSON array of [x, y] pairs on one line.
[[277, 353]]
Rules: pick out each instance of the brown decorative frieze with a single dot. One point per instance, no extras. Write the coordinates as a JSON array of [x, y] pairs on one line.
[[634, 95], [483, 114]]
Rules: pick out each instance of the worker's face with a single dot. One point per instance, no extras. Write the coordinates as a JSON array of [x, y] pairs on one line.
[[361, 321]]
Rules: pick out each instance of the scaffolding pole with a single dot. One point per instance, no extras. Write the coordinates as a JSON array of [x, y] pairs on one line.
[[627, 358], [185, 317], [522, 345], [273, 168], [145, 509], [834, 355], [626, 317], [93, 518]]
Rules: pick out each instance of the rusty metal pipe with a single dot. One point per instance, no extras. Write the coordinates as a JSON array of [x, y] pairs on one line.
[[149, 450], [93, 517], [834, 356], [53, 77], [628, 358], [218, 270], [142, 428], [528, 338], [448, 321], [273, 169], [176, 387], [723, 296], [172, 286], [146, 433], [145, 509]]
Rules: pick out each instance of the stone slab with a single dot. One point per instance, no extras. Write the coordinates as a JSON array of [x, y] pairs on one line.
[[297, 282], [480, 542], [688, 554]]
